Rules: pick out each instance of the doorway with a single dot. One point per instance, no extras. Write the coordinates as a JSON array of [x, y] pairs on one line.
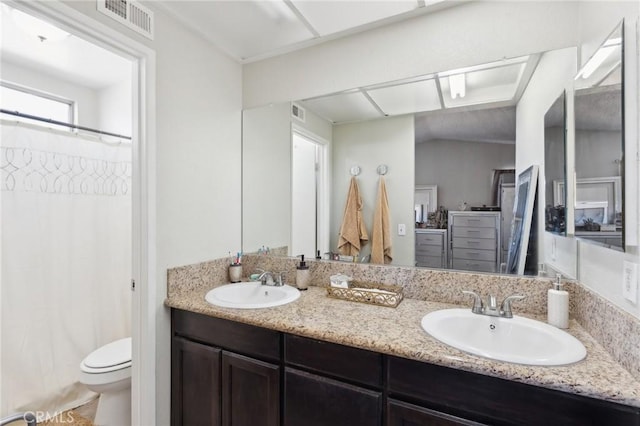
[[309, 204], [141, 259]]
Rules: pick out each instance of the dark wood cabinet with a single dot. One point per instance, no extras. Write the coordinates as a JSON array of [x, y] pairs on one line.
[[195, 377], [233, 374], [250, 391], [223, 372], [498, 401], [403, 414], [312, 400]]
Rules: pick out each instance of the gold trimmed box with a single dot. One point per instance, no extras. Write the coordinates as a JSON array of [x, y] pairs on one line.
[[371, 293]]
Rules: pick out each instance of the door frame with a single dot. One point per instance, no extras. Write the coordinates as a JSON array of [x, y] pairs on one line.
[[322, 185], [143, 324]]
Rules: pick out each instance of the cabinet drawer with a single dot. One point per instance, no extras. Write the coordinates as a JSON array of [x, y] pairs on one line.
[[339, 361], [311, 400], [429, 261], [429, 251], [464, 232], [246, 339], [472, 254], [474, 243], [402, 414], [474, 265], [429, 239], [475, 221]]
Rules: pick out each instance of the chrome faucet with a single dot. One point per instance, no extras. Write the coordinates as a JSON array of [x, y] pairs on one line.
[[492, 307], [267, 278]]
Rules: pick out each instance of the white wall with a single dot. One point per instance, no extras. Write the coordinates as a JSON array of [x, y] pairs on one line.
[[468, 34], [87, 103], [198, 150], [462, 170], [554, 74], [368, 144], [601, 268], [266, 177], [115, 104]]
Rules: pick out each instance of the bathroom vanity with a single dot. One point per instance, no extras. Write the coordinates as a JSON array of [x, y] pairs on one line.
[[320, 361]]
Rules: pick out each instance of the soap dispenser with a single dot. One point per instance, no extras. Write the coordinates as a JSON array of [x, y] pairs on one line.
[[302, 274], [558, 305]]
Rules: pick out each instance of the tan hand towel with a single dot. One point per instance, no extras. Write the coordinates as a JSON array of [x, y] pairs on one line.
[[353, 233], [381, 234]]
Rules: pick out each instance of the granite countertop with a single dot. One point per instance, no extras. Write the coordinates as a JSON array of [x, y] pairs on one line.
[[397, 331]]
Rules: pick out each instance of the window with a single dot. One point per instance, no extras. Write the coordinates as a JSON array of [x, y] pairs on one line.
[[30, 101]]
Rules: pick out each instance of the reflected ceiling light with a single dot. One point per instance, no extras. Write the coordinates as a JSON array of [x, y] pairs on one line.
[[598, 59], [37, 28], [457, 86]]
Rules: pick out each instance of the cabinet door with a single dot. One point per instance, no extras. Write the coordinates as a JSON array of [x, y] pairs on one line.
[[195, 383], [403, 414], [311, 400], [250, 391]]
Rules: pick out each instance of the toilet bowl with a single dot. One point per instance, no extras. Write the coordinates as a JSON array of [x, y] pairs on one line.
[[107, 371]]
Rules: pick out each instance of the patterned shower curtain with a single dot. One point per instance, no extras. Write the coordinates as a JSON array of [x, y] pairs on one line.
[[65, 261]]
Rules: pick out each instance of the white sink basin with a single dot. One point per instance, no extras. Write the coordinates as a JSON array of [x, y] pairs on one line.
[[518, 340], [251, 295]]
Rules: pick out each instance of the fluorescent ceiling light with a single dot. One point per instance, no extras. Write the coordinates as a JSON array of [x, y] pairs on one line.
[[596, 60], [457, 86], [38, 28]]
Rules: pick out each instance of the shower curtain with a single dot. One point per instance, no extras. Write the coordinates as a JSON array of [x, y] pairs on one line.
[[65, 205]]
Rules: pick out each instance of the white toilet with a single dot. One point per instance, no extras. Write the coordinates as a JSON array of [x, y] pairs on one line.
[[107, 371]]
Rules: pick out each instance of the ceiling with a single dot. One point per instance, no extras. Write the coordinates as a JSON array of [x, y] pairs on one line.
[[65, 56], [251, 30]]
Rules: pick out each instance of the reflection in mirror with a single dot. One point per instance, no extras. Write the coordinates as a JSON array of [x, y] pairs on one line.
[[448, 150], [554, 167], [599, 145]]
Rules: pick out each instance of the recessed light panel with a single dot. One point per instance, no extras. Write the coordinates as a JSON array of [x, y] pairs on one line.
[[407, 98], [328, 17], [484, 86], [343, 107]]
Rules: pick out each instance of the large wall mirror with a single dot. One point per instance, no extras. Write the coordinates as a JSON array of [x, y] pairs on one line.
[[456, 143], [599, 145], [555, 148]]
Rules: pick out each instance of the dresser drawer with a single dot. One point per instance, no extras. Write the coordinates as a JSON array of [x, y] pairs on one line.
[[475, 221], [471, 254], [429, 239], [429, 261], [474, 243], [466, 232], [429, 250], [474, 265]]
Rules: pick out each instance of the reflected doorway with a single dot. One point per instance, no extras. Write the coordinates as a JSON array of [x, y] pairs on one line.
[[308, 195]]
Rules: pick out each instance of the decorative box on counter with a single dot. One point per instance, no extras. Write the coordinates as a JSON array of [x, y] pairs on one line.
[[371, 293]]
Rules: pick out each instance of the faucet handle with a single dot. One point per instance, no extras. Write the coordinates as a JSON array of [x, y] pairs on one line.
[[280, 278], [478, 306], [505, 308]]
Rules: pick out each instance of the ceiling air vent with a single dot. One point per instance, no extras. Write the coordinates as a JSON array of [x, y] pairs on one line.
[[129, 13], [298, 112]]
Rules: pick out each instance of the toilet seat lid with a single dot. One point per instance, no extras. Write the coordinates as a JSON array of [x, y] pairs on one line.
[[110, 355]]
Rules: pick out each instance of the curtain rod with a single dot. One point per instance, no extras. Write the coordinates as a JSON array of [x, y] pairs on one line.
[[60, 123]]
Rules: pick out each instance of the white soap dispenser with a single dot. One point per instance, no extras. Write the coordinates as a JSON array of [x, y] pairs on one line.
[[558, 305], [302, 274]]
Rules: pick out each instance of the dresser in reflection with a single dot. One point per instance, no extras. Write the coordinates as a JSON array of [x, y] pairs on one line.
[[431, 248], [474, 242]]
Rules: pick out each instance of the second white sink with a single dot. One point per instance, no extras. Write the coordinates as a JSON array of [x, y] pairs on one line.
[[251, 295], [518, 340]]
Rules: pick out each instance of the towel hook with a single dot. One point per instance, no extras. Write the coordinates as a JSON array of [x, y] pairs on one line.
[[382, 169], [355, 170]]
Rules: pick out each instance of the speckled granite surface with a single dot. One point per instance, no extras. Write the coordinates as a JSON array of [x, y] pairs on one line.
[[603, 374]]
